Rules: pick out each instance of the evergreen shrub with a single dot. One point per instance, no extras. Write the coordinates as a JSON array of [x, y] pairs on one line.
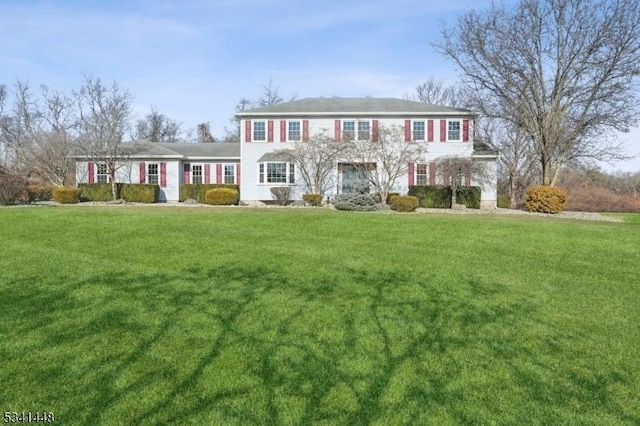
[[197, 191], [66, 195], [95, 191], [469, 196], [432, 196], [407, 203], [139, 192], [545, 199], [355, 202]]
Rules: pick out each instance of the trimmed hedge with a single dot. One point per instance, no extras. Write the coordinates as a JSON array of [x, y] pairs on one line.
[[545, 199], [355, 202], [139, 192], [439, 196], [432, 196], [469, 196], [197, 191], [95, 191], [401, 203], [65, 195], [504, 201], [313, 200], [222, 196]]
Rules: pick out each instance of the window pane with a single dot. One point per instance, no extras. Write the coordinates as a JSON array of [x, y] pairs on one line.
[[348, 129], [152, 174], [101, 173], [259, 132], [454, 131], [421, 174], [294, 130], [261, 173], [292, 173], [229, 173], [196, 173], [418, 130], [363, 130], [276, 172]]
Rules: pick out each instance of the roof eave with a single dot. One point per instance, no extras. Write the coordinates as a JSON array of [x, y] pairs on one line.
[[358, 113]]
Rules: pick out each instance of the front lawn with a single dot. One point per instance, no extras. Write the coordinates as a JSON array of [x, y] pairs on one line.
[[160, 315]]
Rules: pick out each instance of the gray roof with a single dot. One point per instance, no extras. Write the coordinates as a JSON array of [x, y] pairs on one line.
[[280, 155], [352, 106], [481, 148], [188, 150]]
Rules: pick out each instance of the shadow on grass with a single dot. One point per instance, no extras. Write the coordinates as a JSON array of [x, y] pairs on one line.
[[251, 345]]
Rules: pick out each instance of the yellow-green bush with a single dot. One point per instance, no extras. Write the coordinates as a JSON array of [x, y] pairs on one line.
[[401, 203], [504, 202], [65, 195], [312, 199], [197, 191], [221, 196], [139, 192], [545, 199]]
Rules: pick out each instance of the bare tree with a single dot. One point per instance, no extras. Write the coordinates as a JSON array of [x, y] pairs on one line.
[[105, 115], [390, 154], [204, 133], [563, 71], [435, 92], [457, 171], [157, 127], [316, 160]]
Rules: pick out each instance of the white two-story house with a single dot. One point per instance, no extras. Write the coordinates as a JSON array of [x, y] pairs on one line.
[[446, 132]]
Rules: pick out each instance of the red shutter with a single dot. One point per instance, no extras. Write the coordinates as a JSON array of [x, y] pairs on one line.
[[374, 131], [91, 173], [186, 173], [305, 130], [337, 129], [465, 130], [247, 131], [218, 173], [163, 175], [443, 130], [238, 174], [411, 174], [207, 173], [407, 130], [432, 173], [283, 130], [467, 180], [430, 130], [143, 172], [270, 131]]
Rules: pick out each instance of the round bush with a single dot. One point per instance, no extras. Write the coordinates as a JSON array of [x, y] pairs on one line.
[[65, 195], [401, 203], [355, 202], [313, 200], [221, 196], [545, 199]]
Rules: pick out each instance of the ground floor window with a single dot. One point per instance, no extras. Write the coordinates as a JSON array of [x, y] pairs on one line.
[[277, 172], [102, 175], [152, 173], [355, 177], [196, 173], [230, 173], [422, 174]]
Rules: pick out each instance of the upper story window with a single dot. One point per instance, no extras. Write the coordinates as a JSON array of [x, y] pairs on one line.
[[294, 131], [454, 130], [152, 173], [358, 130], [418, 131], [102, 175], [349, 129], [364, 130], [259, 131]]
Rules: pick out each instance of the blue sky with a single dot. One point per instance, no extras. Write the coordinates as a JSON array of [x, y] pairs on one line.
[[194, 59]]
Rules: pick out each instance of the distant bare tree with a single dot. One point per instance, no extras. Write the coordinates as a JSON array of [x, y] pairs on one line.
[[435, 92], [157, 127], [204, 133], [105, 115], [390, 154], [563, 71]]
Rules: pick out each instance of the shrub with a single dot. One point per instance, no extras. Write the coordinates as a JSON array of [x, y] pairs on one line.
[[432, 196], [139, 192], [312, 199], [545, 199], [469, 196], [12, 188], [197, 191], [221, 196], [389, 195], [407, 203], [355, 202], [282, 194], [37, 193], [95, 191], [65, 195], [504, 202]]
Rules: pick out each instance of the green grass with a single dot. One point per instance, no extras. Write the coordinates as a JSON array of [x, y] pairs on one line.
[[156, 315]]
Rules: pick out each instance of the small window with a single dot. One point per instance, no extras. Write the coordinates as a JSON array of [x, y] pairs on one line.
[[196, 173], [294, 131], [453, 130], [364, 130], [259, 131], [418, 131], [229, 173], [422, 175], [152, 174], [102, 175]]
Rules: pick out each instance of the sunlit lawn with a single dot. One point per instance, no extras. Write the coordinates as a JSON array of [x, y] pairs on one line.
[[128, 315]]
